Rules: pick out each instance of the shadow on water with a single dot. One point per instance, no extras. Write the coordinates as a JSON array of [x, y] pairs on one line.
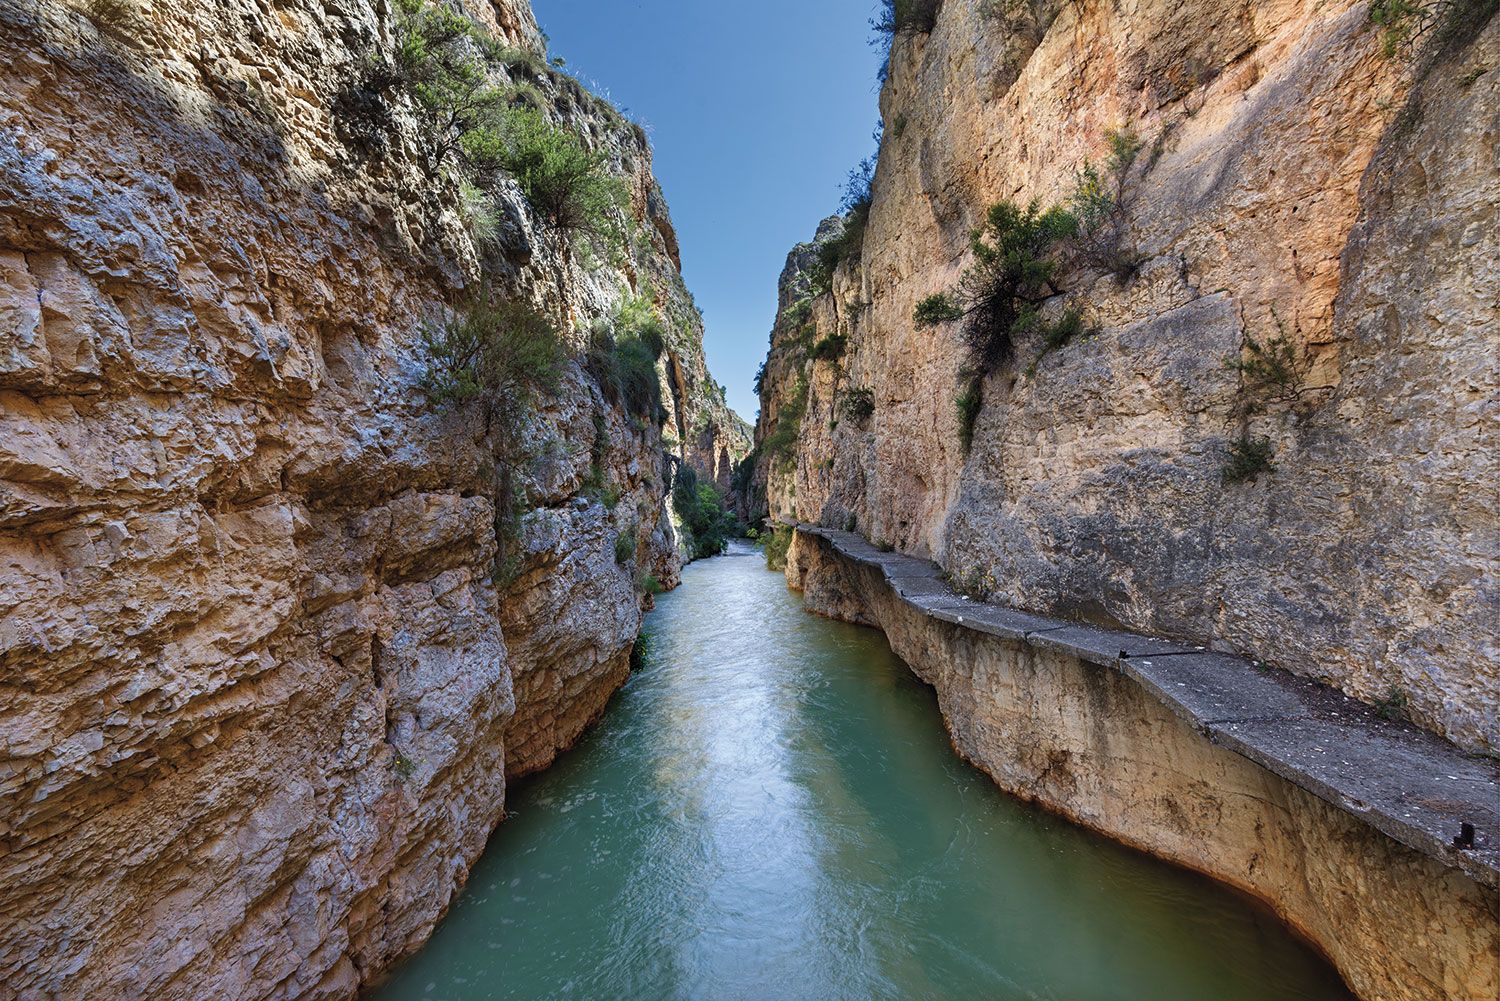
[[771, 809]]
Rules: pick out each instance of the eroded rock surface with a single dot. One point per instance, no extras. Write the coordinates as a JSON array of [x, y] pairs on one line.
[[1067, 722], [261, 681], [1292, 182]]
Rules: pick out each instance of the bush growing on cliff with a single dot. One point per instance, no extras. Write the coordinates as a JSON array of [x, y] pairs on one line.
[[935, 309], [623, 356], [624, 366], [1248, 458], [493, 350], [849, 244], [1012, 272], [901, 17], [781, 444], [1268, 371], [568, 185], [625, 547], [830, 348], [438, 61], [777, 543], [859, 404], [481, 220], [700, 506]]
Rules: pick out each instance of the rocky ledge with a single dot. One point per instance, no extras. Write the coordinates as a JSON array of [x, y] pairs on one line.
[[1349, 824]]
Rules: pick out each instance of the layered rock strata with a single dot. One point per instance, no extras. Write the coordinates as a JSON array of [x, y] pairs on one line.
[[1290, 184], [263, 666], [1340, 820]]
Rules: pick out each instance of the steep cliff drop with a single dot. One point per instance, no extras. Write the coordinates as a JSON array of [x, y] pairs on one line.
[[332, 472], [1180, 320]]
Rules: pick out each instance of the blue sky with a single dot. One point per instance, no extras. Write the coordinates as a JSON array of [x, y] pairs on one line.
[[757, 112]]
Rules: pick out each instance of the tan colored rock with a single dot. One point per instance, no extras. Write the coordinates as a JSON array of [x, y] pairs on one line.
[[260, 687], [1090, 743], [1293, 181]]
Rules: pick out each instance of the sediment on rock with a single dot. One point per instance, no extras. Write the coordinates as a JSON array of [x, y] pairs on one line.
[[1278, 787]]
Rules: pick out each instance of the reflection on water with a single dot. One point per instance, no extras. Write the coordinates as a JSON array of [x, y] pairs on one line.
[[771, 810]]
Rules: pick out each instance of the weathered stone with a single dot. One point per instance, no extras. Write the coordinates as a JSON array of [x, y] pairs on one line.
[[1341, 821], [1293, 181], [263, 686]]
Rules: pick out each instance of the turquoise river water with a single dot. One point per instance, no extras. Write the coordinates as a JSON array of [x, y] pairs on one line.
[[771, 810]]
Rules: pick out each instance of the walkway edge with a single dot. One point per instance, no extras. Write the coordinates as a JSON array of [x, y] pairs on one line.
[[1407, 783]]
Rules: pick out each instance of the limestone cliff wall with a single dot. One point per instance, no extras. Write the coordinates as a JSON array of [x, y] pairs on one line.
[[1293, 182], [1073, 725], [261, 679]]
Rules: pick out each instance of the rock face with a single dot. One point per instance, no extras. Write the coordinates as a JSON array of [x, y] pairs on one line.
[[262, 675], [1293, 184], [1062, 720]]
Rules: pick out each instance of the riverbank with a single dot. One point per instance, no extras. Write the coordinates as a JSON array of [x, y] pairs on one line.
[[1341, 821]]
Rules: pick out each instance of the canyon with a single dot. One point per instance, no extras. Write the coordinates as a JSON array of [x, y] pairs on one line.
[[1284, 183], [348, 373]]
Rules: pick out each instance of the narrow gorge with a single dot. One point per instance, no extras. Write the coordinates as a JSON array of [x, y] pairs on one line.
[[1137, 416]]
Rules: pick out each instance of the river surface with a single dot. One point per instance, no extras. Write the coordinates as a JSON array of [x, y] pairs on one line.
[[771, 810]]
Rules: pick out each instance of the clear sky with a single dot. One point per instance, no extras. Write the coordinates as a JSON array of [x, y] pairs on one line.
[[756, 112]]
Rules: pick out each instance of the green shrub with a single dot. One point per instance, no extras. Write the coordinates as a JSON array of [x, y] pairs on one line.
[[902, 17], [744, 472], [495, 350], [625, 547], [437, 61], [1092, 202], [640, 651], [859, 403], [1393, 704], [595, 482], [830, 348], [760, 379], [648, 583], [969, 402], [704, 515], [777, 543], [622, 357], [781, 444], [851, 522], [849, 244], [1012, 272], [638, 318], [935, 309], [568, 185], [520, 62], [1248, 458], [799, 313], [1269, 371], [476, 209], [1056, 334]]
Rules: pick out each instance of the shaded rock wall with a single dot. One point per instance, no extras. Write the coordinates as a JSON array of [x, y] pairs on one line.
[[1293, 182], [260, 681]]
